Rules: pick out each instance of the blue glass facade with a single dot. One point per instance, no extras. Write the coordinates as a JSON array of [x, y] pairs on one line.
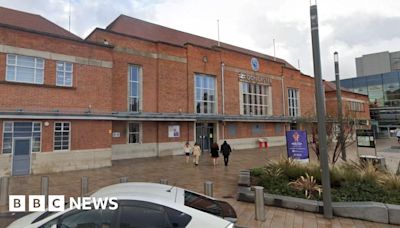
[[383, 91]]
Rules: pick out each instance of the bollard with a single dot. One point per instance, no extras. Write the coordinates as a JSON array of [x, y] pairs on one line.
[[163, 181], [45, 186], [259, 203], [85, 186], [3, 191], [123, 179], [398, 169], [208, 188]]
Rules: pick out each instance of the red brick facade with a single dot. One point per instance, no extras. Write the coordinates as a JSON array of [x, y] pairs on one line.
[[97, 103]]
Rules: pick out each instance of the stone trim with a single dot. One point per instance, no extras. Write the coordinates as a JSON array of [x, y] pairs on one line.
[[151, 55], [55, 56]]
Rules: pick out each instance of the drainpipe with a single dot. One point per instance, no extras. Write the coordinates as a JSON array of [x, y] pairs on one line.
[[283, 98], [223, 97]]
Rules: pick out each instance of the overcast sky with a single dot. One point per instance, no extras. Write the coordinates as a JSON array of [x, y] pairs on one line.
[[351, 27]]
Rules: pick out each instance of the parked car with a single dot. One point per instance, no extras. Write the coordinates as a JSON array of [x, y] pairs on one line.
[[140, 205]]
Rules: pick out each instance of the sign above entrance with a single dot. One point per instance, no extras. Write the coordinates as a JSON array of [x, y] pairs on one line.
[[254, 79]]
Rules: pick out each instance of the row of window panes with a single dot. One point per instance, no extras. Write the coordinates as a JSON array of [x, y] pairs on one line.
[[293, 102], [133, 94], [33, 131], [255, 110], [356, 106], [61, 135], [133, 133], [255, 99], [31, 70], [205, 94]]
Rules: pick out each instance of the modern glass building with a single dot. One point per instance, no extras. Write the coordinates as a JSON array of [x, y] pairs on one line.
[[383, 91]]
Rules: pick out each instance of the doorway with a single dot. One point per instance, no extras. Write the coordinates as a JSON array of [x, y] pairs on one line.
[[205, 135], [21, 157]]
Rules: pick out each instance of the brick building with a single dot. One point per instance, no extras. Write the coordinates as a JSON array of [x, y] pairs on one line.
[[134, 89]]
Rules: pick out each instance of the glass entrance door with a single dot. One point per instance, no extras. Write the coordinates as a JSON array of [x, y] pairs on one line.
[[205, 135], [21, 157]]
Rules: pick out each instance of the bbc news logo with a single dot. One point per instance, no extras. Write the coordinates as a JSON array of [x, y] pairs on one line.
[[17, 203]]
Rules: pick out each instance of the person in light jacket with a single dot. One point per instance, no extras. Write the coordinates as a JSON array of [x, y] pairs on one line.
[[187, 149], [196, 154]]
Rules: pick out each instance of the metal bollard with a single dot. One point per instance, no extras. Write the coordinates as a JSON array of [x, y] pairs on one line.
[[259, 203], [85, 186], [45, 186], [4, 191], [123, 179], [208, 188], [164, 181]]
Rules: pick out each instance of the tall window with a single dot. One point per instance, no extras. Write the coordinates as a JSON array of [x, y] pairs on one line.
[[255, 99], [356, 106], [293, 99], [62, 135], [31, 130], [205, 94], [134, 88], [64, 73], [24, 69], [133, 133]]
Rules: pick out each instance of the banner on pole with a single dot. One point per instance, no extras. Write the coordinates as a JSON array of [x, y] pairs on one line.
[[297, 146]]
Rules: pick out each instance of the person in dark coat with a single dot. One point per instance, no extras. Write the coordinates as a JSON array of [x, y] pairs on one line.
[[226, 151], [214, 152]]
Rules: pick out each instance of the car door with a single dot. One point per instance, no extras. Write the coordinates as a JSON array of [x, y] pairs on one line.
[[94, 218]]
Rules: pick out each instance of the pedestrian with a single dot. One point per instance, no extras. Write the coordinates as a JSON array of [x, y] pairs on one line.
[[226, 151], [196, 154], [187, 149], [214, 153], [398, 135]]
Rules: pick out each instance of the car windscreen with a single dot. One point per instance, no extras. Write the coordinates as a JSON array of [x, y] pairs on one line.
[[202, 203]]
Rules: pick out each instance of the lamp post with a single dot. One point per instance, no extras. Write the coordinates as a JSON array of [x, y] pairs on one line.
[[320, 98], [342, 140]]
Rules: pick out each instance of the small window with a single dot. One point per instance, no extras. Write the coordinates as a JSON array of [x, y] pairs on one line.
[[134, 133], [142, 216], [64, 72], [62, 135], [202, 203]]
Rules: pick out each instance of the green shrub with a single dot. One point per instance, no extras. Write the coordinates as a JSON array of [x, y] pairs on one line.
[[256, 172]]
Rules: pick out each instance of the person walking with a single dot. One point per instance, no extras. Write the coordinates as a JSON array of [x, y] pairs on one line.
[[226, 151], [214, 152], [196, 154], [398, 135], [187, 149]]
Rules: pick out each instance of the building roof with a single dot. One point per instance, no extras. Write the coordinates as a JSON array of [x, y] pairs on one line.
[[331, 87], [157, 33], [32, 22]]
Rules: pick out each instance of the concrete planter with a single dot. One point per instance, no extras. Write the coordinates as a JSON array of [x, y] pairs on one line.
[[370, 211]]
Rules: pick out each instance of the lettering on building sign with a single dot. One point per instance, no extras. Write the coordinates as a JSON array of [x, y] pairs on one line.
[[254, 79]]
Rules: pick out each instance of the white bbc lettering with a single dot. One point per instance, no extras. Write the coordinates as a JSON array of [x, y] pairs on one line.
[[16, 203], [113, 203], [37, 203], [56, 203], [86, 201]]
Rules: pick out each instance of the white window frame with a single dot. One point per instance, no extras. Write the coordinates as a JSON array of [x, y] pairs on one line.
[[293, 102], [64, 72], [263, 108], [16, 66], [139, 132], [212, 103], [139, 88], [12, 136], [62, 131]]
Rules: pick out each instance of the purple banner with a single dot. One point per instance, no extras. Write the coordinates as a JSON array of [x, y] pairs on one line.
[[297, 146]]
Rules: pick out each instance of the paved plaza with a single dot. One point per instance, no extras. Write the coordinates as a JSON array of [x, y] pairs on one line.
[[177, 172]]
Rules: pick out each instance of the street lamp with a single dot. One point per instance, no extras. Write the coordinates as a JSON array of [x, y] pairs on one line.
[[342, 140], [320, 98]]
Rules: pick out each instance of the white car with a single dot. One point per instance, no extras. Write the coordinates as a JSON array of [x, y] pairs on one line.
[[140, 205]]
